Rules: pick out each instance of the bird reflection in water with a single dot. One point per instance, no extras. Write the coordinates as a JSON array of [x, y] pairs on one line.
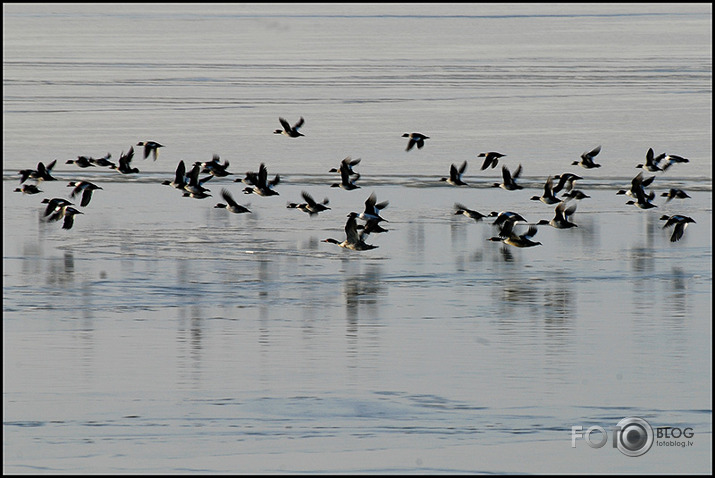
[[361, 289], [61, 272], [189, 340], [506, 254], [676, 296]]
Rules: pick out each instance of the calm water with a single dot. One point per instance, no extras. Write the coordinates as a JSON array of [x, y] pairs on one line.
[[162, 335]]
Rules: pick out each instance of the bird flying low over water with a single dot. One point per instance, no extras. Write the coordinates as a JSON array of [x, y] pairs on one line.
[[587, 159], [214, 167], [231, 205], [193, 186], [509, 179], [288, 130], [349, 164], [504, 216], [28, 189], [643, 201], [353, 239], [310, 206], [81, 161], [548, 196], [262, 186], [103, 161], [455, 175], [68, 212], [575, 194], [667, 160], [675, 193], [150, 147], [471, 213], [650, 162], [42, 173], [680, 223], [373, 208], [561, 217], [125, 161], [83, 187], [346, 182], [638, 183], [566, 180], [490, 159], [58, 208], [416, 139], [179, 177], [508, 236], [53, 207]]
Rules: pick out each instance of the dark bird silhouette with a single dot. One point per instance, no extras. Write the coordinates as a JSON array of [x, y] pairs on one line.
[[680, 223], [490, 159], [81, 161], [125, 161], [509, 179], [262, 186], [28, 189], [230, 205], [587, 159], [85, 188], [179, 180], [471, 213], [349, 164], [675, 193], [288, 130], [353, 239], [310, 205], [416, 139], [508, 236], [345, 181], [455, 175], [150, 147]]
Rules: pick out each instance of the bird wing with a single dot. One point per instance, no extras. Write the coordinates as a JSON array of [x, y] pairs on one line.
[[646, 182], [86, 197], [453, 173], [592, 153], [262, 176], [531, 232], [180, 172], [463, 168], [678, 232], [382, 205], [351, 231], [308, 199], [549, 187], [517, 172], [370, 204], [570, 210], [506, 175], [344, 173], [228, 198], [285, 124]]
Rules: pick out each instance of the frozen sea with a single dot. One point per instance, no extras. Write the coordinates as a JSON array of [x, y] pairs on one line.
[[163, 335]]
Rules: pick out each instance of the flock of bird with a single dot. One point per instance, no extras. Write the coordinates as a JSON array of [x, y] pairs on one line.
[[191, 184]]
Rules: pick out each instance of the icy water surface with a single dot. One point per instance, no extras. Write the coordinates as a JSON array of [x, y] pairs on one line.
[[163, 335]]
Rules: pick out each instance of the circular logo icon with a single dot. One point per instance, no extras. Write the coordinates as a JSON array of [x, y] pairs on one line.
[[634, 436]]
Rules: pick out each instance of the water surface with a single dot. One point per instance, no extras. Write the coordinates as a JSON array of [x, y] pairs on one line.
[[163, 335]]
